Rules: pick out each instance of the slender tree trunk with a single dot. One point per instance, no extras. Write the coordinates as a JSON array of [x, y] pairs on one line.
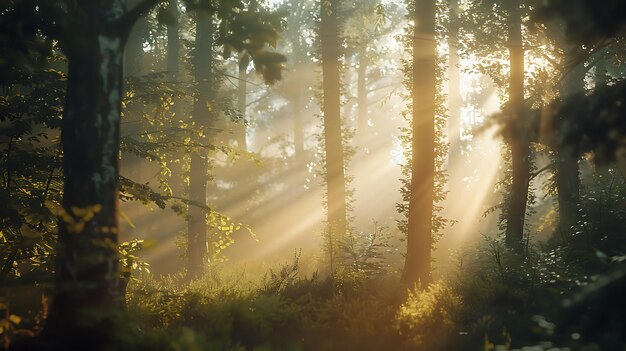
[[520, 143], [173, 42], [202, 118], [132, 165], [335, 178], [241, 105], [87, 277], [423, 94], [567, 172], [173, 57], [454, 93], [133, 53]]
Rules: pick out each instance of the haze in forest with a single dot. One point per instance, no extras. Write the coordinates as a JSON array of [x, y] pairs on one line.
[[323, 175]]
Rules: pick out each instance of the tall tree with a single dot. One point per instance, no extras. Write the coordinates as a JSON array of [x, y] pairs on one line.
[[92, 36], [567, 169], [173, 41], [417, 264], [335, 177], [203, 118], [131, 164], [520, 142]]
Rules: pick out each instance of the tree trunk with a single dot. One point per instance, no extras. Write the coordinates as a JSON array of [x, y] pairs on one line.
[[241, 105], [133, 53], [423, 94], [567, 172], [173, 42], [202, 118], [520, 143], [87, 277], [454, 93], [335, 178], [131, 164]]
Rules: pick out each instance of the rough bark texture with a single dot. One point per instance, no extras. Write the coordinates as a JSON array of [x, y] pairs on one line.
[[202, 118], [454, 93], [520, 143], [419, 235], [335, 179], [567, 171], [87, 286]]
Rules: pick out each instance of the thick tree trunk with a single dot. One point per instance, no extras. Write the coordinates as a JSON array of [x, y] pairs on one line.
[[335, 178], [567, 171], [520, 143], [419, 235], [87, 287], [454, 93], [241, 105], [203, 112]]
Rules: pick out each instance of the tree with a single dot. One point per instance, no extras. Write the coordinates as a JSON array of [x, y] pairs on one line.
[[299, 31], [203, 118], [87, 278], [173, 41], [93, 35], [423, 96], [240, 29], [334, 160], [567, 170], [520, 144]]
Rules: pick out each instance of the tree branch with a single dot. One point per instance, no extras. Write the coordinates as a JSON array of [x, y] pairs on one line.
[[131, 16]]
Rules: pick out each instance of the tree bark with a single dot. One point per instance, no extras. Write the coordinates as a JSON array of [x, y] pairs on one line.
[[202, 118], [87, 277], [173, 42], [132, 165], [423, 94], [567, 172], [520, 143], [335, 178]]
